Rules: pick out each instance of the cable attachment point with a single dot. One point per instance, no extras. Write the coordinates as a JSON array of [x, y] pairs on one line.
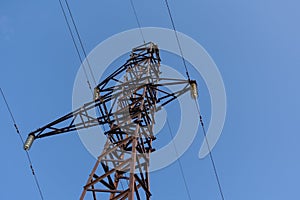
[[28, 142], [96, 93], [194, 89]]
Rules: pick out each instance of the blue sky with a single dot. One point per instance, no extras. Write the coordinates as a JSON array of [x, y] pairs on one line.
[[255, 44]]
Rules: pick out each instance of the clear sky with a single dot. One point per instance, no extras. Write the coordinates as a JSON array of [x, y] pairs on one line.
[[255, 45]]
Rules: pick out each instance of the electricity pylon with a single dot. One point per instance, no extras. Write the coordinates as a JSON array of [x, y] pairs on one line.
[[128, 106]]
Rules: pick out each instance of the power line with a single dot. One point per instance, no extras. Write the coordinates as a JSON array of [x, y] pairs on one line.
[[137, 20], [198, 109], [75, 44], [22, 140], [76, 47], [179, 163], [210, 153], [176, 35], [80, 41]]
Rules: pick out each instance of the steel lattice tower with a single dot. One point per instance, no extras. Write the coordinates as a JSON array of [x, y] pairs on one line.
[[129, 140], [128, 107]]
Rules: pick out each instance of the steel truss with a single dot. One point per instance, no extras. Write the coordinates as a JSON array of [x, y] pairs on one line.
[[128, 106]]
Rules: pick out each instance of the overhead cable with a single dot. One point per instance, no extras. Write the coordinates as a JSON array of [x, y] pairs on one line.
[[22, 140]]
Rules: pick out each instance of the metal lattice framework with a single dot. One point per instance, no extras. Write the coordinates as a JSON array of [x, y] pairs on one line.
[[128, 107]]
